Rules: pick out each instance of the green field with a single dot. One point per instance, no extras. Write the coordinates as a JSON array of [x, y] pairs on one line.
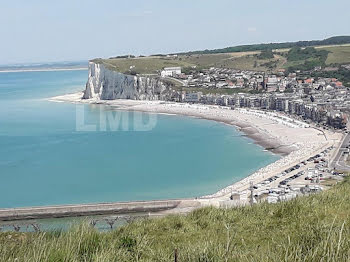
[[249, 62], [236, 60], [152, 65], [313, 228], [335, 40], [143, 65], [338, 54]]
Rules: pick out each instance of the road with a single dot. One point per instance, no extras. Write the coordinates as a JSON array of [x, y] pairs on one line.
[[339, 162], [183, 83]]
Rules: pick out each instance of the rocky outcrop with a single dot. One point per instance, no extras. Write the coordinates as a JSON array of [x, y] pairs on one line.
[[106, 84]]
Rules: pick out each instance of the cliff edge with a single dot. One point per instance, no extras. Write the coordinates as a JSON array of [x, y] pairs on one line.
[[106, 84]]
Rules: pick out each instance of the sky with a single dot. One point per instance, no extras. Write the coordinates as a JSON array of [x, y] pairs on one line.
[[70, 30]]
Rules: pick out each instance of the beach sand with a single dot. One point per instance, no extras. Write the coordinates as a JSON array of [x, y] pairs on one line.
[[290, 138]]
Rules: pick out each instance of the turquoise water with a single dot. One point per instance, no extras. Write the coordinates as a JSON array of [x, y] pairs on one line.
[[45, 160]]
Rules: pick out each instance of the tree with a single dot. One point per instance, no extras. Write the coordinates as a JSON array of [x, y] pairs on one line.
[[266, 54]]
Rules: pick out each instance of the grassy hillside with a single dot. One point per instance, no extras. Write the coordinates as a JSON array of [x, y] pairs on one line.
[[259, 57], [336, 40], [254, 60], [305, 58], [338, 54], [314, 228], [141, 65], [153, 64]]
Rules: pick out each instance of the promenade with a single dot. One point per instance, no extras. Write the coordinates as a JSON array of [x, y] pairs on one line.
[[86, 209]]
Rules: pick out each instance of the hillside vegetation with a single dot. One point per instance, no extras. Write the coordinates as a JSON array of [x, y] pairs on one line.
[[338, 54], [292, 59], [153, 64], [142, 65], [336, 40], [305, 59], [314, 228]]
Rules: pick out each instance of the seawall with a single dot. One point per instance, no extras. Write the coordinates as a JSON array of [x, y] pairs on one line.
[[86, 209]]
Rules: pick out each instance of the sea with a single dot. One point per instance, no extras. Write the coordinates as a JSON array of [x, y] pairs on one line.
[[62, 153]]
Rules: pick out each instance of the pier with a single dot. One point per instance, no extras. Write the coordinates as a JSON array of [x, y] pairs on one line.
[[59, 211]]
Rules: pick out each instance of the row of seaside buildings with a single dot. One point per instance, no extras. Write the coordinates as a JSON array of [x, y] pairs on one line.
[[324, 101], [322, 112]]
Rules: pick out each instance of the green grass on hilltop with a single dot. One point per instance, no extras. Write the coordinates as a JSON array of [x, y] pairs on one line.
[[335, 40], [314, 228], [153, 64], [338, 54], [141, 65], [238, 60]]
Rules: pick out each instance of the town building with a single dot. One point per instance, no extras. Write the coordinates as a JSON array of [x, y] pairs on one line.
[[170, 71]]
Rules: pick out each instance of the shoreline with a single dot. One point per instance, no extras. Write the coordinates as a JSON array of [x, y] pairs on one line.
[[274, 131], [259, 137]]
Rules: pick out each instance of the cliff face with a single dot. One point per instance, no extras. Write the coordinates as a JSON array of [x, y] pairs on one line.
[[107, 84]]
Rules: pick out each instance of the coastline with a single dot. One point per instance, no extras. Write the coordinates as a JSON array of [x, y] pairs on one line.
[[273, 131], [44, 70], [259, 136]]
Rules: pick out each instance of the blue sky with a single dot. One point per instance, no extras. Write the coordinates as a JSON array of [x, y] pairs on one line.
[[67, 30]]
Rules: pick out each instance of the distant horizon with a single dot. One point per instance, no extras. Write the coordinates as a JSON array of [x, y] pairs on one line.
[[42, 63], [48, 62]]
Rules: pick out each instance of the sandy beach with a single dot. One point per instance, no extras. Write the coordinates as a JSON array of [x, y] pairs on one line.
[[294, 140]]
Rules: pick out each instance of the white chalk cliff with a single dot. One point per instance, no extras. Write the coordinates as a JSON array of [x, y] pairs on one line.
[[107, 84]]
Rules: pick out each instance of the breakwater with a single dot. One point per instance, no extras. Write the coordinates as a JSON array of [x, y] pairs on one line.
[[60, 211]]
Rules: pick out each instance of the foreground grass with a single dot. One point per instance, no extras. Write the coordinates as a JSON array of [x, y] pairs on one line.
[[314, 228]]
